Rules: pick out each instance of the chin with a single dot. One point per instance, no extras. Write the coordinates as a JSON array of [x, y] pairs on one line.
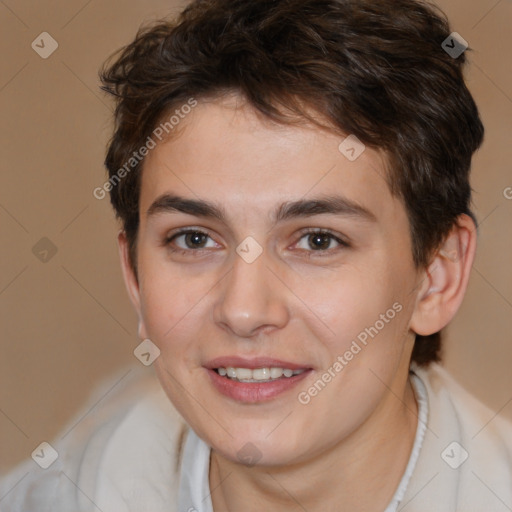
[[258, 449]]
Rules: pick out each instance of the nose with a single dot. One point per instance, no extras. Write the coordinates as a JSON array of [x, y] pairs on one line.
[[252, 299]]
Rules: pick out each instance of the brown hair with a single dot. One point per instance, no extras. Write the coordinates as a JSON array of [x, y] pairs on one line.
[[373, 68]]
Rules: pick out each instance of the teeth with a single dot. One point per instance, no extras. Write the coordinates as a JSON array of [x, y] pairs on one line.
[[240, 373], [256, 375], [275, 373]]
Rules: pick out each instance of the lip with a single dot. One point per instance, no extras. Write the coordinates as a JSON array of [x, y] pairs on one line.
[[253, 363], [254, 392]]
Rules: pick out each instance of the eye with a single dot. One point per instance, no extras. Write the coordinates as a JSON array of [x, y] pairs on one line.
[[320, 241], [189, 240]]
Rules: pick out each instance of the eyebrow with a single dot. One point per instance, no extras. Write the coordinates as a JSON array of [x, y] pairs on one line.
[[330, 204]]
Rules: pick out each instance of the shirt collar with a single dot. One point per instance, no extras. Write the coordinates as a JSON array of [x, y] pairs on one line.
[[194, 491]]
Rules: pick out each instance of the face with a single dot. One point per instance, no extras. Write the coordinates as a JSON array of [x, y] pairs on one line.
[[264, 246]]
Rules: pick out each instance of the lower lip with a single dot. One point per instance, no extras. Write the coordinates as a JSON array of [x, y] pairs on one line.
[[254, 392]]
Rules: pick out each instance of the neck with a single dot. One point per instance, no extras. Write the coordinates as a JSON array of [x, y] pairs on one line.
[[360, 473]]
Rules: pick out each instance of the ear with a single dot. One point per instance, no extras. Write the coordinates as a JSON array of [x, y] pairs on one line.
[[130, 279], [445, 280]]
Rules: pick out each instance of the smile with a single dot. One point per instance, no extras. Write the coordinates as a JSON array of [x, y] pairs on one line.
[[257, 374], [252, 386]]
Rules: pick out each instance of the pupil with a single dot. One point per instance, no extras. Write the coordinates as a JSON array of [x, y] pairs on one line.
[[318, 239], [195, 239]]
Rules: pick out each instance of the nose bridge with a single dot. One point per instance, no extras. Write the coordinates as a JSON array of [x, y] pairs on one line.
[[251, 298]]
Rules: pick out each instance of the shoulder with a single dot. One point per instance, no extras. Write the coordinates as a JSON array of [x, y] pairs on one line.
[[123, 445], [465, 462], [475, 418]]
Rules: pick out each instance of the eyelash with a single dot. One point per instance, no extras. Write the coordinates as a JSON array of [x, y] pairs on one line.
[[326, 232]]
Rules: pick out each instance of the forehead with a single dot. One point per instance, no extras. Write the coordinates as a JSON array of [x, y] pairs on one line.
[[223, 152]]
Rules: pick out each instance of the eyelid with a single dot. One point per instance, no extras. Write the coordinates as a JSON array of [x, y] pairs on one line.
[[185, 230], [337, 237], [168, 238], [342, 239]]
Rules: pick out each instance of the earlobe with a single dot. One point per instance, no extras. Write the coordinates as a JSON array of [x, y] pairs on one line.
[[141, 331], [445, 280]]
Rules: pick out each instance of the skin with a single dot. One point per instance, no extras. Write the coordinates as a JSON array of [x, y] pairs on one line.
[[348, 447]]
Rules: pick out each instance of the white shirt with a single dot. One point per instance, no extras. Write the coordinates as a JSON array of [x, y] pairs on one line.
[[194, 492], [132, 451]]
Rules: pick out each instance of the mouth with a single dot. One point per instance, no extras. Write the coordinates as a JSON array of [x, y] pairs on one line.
[[254, 381]]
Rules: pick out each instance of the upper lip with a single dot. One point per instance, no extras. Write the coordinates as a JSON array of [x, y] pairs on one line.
[[253, 363]]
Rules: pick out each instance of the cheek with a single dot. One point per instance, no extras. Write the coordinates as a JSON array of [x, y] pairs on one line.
[[362, 330], [172, 301], [346, 303]]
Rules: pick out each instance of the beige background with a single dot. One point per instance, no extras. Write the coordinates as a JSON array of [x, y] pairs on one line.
[[67, 323]]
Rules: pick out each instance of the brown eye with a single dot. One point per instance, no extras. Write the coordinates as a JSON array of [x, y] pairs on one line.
[[320, 241], [195, 239], [189, 240]]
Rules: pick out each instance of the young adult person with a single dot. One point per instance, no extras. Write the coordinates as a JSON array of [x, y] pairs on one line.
[[292, 181]]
